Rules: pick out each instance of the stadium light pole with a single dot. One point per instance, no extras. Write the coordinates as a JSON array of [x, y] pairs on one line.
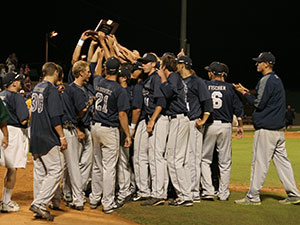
[[183, 27], [49, 35]]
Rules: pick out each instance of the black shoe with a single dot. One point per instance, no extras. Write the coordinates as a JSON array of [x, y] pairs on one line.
[[95, 206], [108, 211], [207, 197], [41, 213], [153, 202], [179, 202], [77, 207]]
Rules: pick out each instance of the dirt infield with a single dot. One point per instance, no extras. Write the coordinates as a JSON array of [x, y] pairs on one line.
[[23, 195]]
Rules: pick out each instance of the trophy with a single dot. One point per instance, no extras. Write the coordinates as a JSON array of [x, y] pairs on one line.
[[107, 26]]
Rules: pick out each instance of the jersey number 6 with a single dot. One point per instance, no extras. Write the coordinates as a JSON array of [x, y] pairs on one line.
[[217, 99]]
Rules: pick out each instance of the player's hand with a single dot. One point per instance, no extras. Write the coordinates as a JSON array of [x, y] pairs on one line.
[[101, 36], [4, 142], [85, 35], [239, 132], [150, 126], [80, 135], [199, 123], [63, 144], [128, 142], [181, 53]]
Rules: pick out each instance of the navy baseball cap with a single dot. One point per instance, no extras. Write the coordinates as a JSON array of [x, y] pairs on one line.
[[147, 57], [112, 65], [217, 68], [10, 77], [137, 66], [265, 57], [185, 60], [124, 72]]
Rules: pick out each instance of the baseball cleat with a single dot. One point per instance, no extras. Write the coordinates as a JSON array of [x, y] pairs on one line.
[[153, 202], [41, 213], [11, 206], [290, 200], [246, 201], [77, 207], [207, 197], [178, 202], [139, 198]]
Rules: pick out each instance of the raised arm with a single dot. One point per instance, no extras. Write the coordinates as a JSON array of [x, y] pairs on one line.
[[76, 54]]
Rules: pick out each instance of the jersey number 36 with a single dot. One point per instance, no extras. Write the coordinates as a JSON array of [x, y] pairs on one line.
[[37, 102]]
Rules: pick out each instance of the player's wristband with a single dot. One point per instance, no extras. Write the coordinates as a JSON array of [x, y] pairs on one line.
[[62, 138], [245, 92], [80, 42]]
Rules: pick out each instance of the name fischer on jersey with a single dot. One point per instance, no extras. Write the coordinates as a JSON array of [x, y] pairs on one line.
[[216, 88]]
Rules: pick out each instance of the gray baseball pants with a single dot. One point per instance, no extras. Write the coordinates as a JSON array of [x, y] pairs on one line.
[[47, 172], [178, 157], [107, 141], [195, 155], [217, 135], [157, 158], [141, 160], [270, 145]]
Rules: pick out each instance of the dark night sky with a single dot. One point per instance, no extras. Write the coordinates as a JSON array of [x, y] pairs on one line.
[[231, 32]]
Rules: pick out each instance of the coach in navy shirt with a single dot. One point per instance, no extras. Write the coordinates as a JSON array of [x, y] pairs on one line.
[[269, 140]]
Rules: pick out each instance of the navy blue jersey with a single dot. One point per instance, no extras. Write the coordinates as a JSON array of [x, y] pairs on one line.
[[225, 101], [129, 91], [46, 104], [196, 95], [152, 93], [175, 92], [75, 99], [16, 106], [138, 99], [269, 103], [111, 99]]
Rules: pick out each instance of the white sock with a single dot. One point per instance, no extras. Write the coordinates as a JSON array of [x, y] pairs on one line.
[[7, 193]]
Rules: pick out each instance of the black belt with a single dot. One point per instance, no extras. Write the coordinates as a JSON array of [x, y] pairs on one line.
[[177, 115], [102, 124]]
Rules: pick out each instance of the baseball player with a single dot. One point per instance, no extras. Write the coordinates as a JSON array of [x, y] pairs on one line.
[[15, 154], [4, 116], [76, 124], [141, 142], [269, 141], [124, 171], [174, 90], [110, 112], [157, 125], [47, 139], [218, 131], [200, 106]]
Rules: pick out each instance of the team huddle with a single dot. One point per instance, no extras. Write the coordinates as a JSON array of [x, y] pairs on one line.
[[134, 128]]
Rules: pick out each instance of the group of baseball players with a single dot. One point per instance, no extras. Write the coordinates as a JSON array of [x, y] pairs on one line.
[[134, 128]]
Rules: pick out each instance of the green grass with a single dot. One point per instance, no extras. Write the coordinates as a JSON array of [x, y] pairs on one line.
[[241, 162], [270, 212]]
